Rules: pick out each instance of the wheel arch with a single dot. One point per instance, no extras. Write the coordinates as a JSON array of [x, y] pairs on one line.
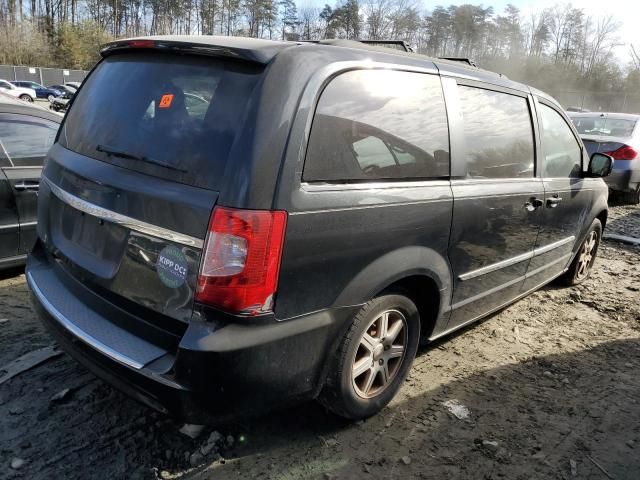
[[602, 216], [421, 273]]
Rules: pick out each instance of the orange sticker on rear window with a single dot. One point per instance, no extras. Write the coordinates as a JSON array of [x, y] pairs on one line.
[[165, 101]]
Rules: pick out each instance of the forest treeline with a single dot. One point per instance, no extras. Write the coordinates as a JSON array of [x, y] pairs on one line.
[[561, 47]]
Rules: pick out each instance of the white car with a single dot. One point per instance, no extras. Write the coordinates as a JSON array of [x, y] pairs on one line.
[[26, 94]]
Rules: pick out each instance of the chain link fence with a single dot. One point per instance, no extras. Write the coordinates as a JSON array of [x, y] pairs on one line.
[[599, 101], [43, 76]]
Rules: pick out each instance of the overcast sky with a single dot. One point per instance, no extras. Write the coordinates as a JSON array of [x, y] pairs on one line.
[[627, 12]]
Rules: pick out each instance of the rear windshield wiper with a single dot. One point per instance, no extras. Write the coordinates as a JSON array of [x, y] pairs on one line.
[[119, 153]]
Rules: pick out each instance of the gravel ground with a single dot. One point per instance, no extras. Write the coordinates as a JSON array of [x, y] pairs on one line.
[[547, 388]]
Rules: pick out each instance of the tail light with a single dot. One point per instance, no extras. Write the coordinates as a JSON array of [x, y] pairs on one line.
[[241, 260], [625, 152]]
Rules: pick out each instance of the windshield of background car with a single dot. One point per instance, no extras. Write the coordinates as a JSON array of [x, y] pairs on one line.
[[605, 127], [165, 115]]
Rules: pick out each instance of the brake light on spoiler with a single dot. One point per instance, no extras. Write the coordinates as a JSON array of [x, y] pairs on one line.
[[241, 260], [141, 44]]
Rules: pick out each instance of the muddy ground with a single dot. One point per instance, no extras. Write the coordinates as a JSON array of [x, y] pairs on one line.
[[551, 384]]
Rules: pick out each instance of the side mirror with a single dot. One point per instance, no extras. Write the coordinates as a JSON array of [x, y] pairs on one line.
[[600, 165]]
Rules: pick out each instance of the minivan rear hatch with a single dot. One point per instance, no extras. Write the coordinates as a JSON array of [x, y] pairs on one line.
[[128, 189]]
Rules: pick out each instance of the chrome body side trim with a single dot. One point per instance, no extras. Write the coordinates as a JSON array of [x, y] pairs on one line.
[[551, 246], [10, 226], [564, 258], [79, 333], [496, 266], [517, 259], [123, 220]]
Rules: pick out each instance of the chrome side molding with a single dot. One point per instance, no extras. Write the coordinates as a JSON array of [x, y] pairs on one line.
[[517, 259]]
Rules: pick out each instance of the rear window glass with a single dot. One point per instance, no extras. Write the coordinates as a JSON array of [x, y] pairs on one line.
[[498, 132], [605, 127], [379, 124], [165, 115]]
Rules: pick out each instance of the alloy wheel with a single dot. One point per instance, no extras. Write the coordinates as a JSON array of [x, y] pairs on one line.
[[586, 257], [379, 354]]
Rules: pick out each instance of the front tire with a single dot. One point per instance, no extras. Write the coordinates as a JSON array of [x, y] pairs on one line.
[[26, 98], [50, 98], [581, 265], [373, 358]]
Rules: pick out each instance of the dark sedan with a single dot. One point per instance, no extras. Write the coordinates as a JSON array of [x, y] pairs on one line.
[[26, 133]]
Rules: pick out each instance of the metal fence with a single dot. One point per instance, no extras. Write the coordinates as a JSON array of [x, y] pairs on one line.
[[43, 76], [599, 101]]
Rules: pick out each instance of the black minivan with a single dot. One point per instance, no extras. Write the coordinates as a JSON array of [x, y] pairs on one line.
[[227, 225]]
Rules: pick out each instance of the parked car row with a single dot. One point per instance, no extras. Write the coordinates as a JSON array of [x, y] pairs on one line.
[[30, 91]]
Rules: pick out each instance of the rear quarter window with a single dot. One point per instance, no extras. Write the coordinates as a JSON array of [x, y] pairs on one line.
[[377, 125], [165, 115]]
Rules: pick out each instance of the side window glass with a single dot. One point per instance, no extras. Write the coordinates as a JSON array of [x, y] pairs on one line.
[[498, 133], [562, 154], [26, 140], [4, 158], [379, 124]]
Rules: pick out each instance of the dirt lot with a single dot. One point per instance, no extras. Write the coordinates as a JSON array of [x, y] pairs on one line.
[[551, 386]]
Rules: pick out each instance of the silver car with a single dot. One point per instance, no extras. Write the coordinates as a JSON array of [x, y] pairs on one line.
[[618, 135]]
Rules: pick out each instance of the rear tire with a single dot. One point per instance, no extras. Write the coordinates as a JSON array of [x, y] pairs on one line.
[[581, 265], [373, 360], [633, 197], [26, 98]]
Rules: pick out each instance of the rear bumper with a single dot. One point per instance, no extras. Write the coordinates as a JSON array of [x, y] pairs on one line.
[[215, 373], [623, 180]]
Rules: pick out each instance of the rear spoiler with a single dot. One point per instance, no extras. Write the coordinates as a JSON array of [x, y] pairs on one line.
[[239, 50]]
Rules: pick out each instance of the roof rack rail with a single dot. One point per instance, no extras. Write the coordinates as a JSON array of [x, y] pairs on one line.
[[460, 59], [387, 43], [395, 44]]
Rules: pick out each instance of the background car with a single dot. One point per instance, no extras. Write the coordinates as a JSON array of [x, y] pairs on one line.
[[26, 94], [64, 88], [41, 92], [60, 104], [75, 85], [26, 133], [618, 135]]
